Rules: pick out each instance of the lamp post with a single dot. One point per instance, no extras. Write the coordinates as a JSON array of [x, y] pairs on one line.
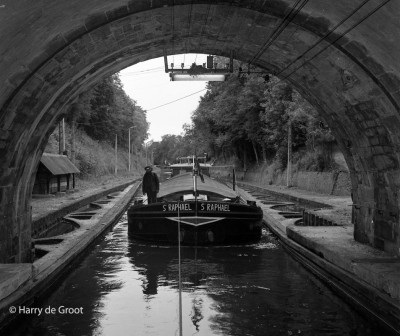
[[116, 154], [146, 146], [289, 156], [129, 148], [61, 137]]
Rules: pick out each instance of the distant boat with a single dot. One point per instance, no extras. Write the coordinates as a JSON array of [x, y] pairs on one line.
[[185, 164], [207, 211]]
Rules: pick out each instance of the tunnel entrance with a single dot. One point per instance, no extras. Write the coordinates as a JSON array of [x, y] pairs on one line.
[[342, 56]]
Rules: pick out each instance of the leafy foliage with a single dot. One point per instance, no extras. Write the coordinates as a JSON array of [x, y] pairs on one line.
[[106, 111], [248, 117], [93, 158]]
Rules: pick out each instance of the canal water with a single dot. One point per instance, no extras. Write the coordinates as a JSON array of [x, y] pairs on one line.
[[123, 287]]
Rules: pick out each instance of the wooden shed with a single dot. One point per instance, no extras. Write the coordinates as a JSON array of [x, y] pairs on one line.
[[55, 173]]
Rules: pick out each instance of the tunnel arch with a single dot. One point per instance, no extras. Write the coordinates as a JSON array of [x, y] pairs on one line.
[[51, 54]]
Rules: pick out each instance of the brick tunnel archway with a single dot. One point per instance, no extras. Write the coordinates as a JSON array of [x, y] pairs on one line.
[[52, 53]]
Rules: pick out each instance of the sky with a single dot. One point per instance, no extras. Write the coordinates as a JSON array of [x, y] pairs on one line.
[[149, 84]]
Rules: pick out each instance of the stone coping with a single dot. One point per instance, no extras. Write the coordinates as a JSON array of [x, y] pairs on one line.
[[50, 217], [336, 209], [293, 195], [372, 276], [21, 283]]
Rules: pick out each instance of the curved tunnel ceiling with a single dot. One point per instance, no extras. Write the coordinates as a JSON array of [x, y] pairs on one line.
[[86, 47], [342, 56]]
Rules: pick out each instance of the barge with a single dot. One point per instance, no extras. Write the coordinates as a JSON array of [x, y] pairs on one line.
[[197, 210]]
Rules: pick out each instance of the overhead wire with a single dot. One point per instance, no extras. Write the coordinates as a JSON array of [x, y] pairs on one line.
[[281, 27], [153, 108], [323, 38], [335, 40], [327, 35], [296, 8], [141, 72], [331, 43], [177, 100]]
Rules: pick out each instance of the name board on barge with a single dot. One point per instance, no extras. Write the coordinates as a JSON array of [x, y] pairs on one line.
[[173, 207]]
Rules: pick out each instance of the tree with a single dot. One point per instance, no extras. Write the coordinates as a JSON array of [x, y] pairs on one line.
[[250, 108], [106, 110], [248, 118]]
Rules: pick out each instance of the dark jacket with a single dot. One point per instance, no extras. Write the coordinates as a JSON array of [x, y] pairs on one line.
[[150, 183]]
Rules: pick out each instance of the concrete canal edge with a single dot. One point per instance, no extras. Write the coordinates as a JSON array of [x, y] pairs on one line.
[[41, 223], [369, 289], [22, 284], [350, 269]]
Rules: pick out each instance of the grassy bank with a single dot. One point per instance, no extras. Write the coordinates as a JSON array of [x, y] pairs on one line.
[[323, 172], [96, 159]]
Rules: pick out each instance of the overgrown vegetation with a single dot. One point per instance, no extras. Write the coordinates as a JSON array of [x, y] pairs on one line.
[[246, 119], [106, 111], [93, 123]]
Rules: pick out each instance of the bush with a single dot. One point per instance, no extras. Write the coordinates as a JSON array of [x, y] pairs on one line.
[[310, 161], [92, 158], [281, 158]]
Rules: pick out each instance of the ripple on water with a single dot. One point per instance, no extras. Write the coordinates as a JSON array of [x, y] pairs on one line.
[[265, 246], [128, 288]]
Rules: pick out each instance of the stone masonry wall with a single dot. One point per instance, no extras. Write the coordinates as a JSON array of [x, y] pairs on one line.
[[51, 54], [329, 183]]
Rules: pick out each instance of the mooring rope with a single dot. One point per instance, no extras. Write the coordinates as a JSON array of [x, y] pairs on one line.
[[179, 271]]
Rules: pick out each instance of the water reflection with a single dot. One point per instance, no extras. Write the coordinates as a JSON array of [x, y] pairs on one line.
[[129, 288]]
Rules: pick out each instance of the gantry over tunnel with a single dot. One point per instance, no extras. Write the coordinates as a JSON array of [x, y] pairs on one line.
[[341, 55]]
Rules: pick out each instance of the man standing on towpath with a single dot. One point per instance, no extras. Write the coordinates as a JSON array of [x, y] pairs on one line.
[[150, 185]]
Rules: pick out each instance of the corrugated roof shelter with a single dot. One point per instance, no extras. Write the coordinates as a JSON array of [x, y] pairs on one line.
[[58, 164], [56, 173]]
